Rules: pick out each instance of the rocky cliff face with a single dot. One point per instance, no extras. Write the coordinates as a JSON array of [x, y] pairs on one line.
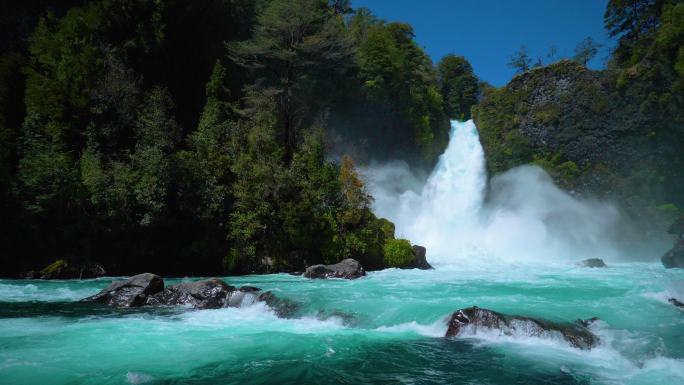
[[593, 135]]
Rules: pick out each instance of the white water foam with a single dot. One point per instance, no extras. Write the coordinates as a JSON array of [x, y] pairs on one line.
[[435, 330], [525, 218], [21, 292]]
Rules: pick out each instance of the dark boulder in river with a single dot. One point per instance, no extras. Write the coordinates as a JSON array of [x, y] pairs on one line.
[[676, 302], [348, 269], [130, 292], [472, 319], [205, 294], [420, 261], [148, 290], [593, 262]]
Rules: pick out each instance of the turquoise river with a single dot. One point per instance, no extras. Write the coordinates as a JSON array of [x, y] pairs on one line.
[[508, 252]]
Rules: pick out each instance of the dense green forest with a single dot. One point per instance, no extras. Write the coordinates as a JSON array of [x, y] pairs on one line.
[[222, 136], [200, 137]]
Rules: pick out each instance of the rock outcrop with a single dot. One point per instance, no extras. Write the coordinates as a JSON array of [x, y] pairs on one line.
[[420, 261], [131, 292], [590, 135], [675, 257], [347, 269], [472, 319], [593, 262]]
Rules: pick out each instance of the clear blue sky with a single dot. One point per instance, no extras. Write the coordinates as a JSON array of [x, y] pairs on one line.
[[487, 32]]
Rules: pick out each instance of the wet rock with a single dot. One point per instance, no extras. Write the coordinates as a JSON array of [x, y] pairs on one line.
[[471, 319], [205, 294], [676, 302], [148, 290], [588, 321], [675, 257], [131, 292], [244, 296], [283, 308], [420, 262], [347, 269], [347, 319], [593, 262]]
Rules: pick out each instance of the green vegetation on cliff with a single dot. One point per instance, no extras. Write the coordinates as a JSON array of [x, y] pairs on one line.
[[615, 133]]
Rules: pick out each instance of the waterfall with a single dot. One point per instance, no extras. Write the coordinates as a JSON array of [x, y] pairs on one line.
[[526, 216]]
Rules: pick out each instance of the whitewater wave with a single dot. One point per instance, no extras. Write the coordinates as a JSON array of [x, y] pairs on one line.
[[51, 292], [436, 329], [608, 359]]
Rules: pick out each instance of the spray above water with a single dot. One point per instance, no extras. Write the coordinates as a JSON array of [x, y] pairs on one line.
[[524, 218]]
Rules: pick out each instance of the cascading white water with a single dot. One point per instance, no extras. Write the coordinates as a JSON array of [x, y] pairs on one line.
[[526, 217]]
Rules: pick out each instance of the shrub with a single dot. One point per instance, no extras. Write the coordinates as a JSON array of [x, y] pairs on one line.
[[398, 253]]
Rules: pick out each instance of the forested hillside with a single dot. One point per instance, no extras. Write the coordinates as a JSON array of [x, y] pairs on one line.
[[198, 137]]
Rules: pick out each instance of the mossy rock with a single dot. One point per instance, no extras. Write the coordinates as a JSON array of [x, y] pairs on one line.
[[387, 228], [62, 269], [55, 269]]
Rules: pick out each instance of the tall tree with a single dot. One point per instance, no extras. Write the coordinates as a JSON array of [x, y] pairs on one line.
[[297, 46], [631, 19], [458, 85], [520, 60], [586, 50]]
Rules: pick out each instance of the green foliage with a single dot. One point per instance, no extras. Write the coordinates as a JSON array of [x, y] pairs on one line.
[[561, 170], [631, 19], [459, 86], [294, 42], [387, 228], [496, 118], [398, 77], [520, 60], [670, 212], [55, 267], [398, 253], [127, 133]]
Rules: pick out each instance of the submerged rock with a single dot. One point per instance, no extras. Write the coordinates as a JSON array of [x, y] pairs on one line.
[[471, 319], [347, 269], [593, 262], [130, 292], [420, 261], [676, 302], [587, 322], [205, 294], [283, 308]]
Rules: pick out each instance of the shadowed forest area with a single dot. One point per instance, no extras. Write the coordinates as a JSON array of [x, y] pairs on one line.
[[223, 136]]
